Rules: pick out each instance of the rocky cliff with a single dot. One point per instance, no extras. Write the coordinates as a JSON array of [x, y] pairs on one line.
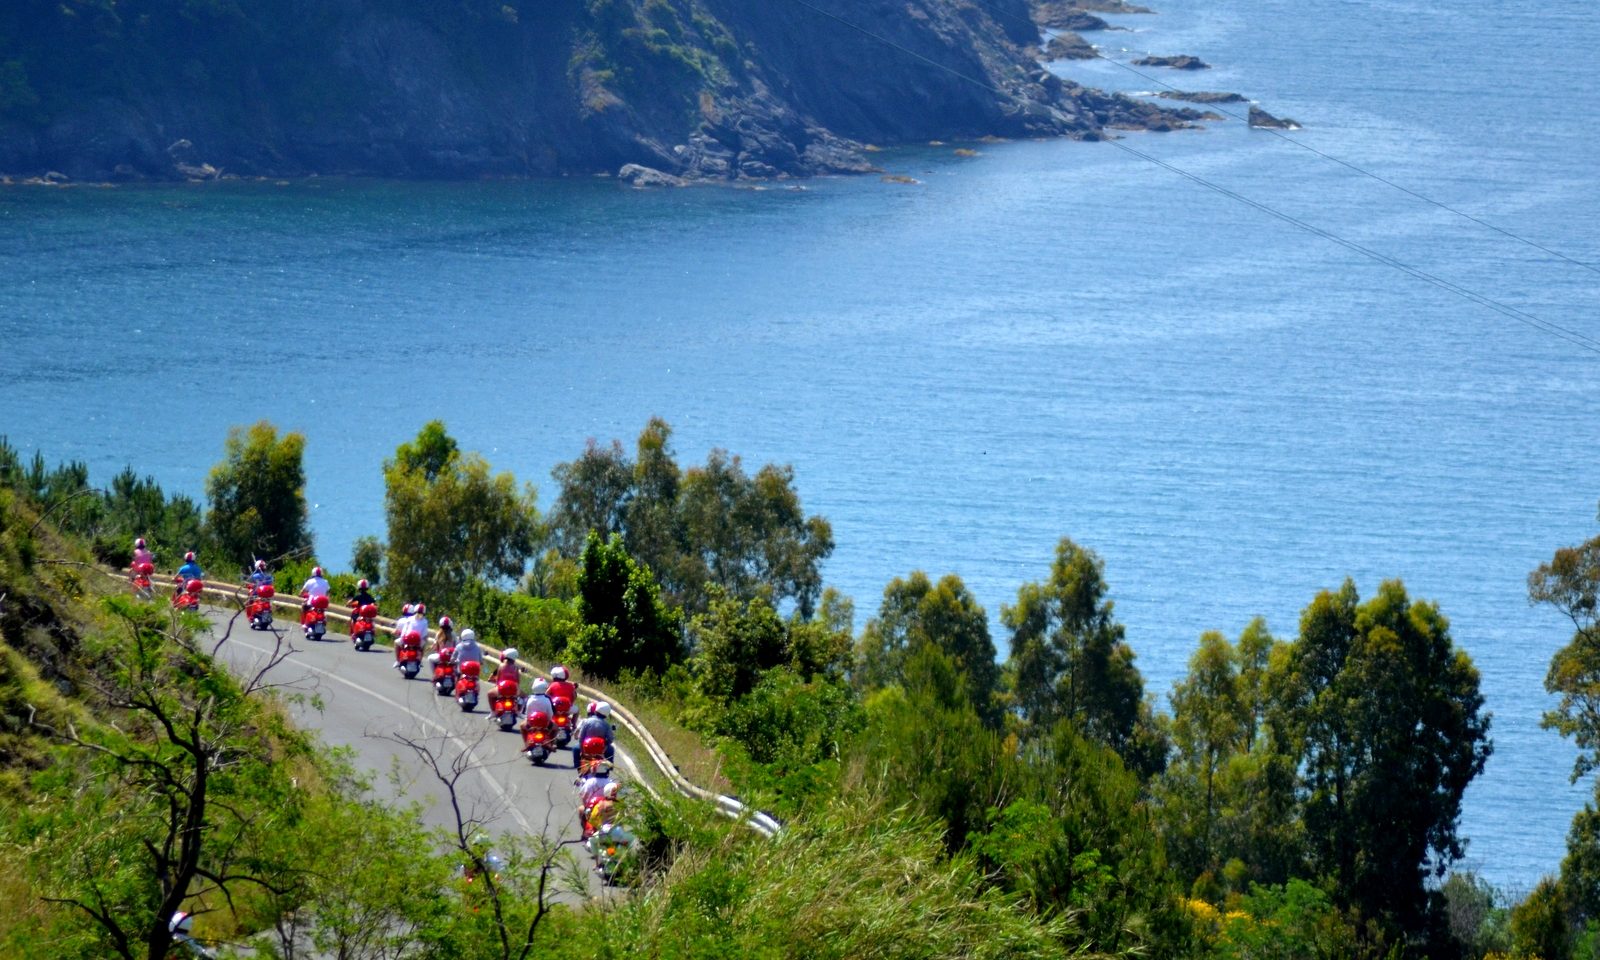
[[723, 89]]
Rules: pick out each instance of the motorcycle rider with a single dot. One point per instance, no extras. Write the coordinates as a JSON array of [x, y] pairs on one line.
[[362, 596], [419, 621], [446, 637], [190, 569], [561, 686], [259, 576], [595, 725], [142, 554], [402, 623], [606, 809], [537, 701], [467, 647], [508, 667], [317, 586]]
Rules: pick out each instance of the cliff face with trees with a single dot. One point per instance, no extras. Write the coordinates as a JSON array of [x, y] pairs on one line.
[[721, 89]]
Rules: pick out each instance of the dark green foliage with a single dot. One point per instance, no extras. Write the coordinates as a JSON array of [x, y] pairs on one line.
[[784, 739], [708, 527], [916, 613], [626, 626], [1294, 921], [1539, 927], [257, 498], [1384, 714], [1069, 661]]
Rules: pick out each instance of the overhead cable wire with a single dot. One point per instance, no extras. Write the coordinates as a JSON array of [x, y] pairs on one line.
[[1281, 135], [1574, 337]]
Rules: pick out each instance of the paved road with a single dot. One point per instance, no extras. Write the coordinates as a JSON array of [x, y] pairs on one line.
[[359, 700]]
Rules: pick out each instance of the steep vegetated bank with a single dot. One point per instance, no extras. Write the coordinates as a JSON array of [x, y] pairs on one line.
[[720, 89]]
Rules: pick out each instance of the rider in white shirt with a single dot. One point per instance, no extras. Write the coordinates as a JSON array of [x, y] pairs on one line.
[[317, 586]]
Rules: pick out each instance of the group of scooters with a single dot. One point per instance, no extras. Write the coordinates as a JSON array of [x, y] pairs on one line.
[[185, 591]]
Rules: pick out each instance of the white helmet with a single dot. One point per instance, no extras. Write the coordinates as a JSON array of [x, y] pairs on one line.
[[316, 571], [510, 654], [558, 672], [611, 790], [261, 565], [539, 686], [602, 709], [181, 924], [467, 636], [138, 544]]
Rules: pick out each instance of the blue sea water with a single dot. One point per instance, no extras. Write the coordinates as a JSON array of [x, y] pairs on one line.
[[1048, 339]]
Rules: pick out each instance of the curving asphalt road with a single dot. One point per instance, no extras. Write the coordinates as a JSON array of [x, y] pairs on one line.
[[358, 700]]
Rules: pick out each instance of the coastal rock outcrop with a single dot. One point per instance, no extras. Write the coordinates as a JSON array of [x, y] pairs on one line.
[[695, 89], [1201, 96], [1069, 46], [1266, 121], [1181, 62]]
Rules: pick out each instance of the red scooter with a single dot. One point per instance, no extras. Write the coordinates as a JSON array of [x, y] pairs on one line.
[[142, 587], [408, 655], [503, 708], [364, 626], [444, 670], [186, 595], [314, 620], [563, 720], [259, 609], [538, 737], [467, 686]]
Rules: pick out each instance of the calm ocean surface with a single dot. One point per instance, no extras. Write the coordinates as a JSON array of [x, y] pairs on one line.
[[1049, 339]]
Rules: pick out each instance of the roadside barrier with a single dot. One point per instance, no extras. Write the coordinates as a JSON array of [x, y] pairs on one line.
[[761, 823]]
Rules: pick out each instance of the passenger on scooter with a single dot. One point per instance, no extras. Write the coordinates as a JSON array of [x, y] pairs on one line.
[[317, 586], [595, 725], [591, 784], [467, 647]]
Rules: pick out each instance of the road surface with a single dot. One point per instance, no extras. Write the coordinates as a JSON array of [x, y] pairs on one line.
[[358, 700]]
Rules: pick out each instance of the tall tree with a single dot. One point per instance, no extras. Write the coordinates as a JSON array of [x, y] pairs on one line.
[[1210, 725], [917, 612], [711, 526], [258, 496], [1068, 657], [1570, 582], [627, 627], [1385, 715], [450, 520]]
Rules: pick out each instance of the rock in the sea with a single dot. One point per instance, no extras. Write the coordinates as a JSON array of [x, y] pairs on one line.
[[1201, 96], [898, 178], [642, 176], [1075, 15], [1266, 121], [1182, 62], [197, 171], [1069, 46]]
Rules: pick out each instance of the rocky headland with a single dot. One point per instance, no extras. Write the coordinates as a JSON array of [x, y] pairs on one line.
[[680, 89]]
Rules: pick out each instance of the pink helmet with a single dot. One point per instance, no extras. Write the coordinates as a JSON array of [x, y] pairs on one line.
[[189, 556], [444, 623], [405, 611]]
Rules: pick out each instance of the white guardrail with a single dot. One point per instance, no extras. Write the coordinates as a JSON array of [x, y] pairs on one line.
[[761, 823]]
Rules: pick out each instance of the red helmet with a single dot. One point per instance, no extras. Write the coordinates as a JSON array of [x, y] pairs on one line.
[[444, 623], [189, 556], [405, 610], [420, 609], [316, 571], [363, 585]]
